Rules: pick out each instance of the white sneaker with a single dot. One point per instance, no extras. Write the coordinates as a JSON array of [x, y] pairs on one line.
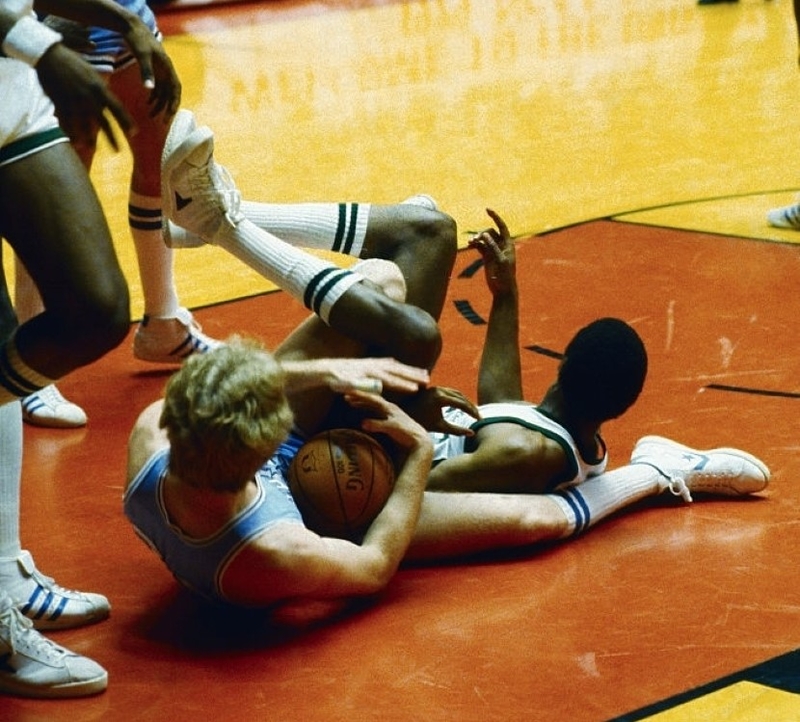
[[726, 472], [34, 666], [170, 340], [47, 407], [197, 193], [786, 217], [45, 603]]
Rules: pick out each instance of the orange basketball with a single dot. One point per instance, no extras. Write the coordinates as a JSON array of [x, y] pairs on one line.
[[340, 480]]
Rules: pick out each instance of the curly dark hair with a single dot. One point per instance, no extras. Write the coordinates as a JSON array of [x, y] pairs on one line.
[[603, 371]]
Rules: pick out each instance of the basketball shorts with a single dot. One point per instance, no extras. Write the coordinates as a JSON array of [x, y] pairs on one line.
[[27, 118]]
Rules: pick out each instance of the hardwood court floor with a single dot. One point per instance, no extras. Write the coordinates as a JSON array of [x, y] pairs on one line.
[[571, 119]]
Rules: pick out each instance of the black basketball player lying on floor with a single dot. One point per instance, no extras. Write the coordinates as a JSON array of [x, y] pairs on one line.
[[194, 486]]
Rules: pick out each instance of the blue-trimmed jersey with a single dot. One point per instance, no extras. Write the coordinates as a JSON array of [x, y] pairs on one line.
[[199, 564]]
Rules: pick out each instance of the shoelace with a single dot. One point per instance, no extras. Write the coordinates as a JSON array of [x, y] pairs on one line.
[[50, 396], [21, 634], [218, 183], [51, 585], [677, 486]]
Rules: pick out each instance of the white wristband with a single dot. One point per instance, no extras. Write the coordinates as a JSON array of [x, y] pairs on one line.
[[28, 40]]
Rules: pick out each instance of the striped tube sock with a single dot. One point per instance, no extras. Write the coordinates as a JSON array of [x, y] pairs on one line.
[[17, 379], [338, 227], [315, 282], [154, 258], [600, 496]]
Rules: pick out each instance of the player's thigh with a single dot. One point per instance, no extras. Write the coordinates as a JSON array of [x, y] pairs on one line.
[[51, 216]]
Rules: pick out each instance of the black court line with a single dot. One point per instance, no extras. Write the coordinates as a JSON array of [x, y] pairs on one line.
[[757, 392]]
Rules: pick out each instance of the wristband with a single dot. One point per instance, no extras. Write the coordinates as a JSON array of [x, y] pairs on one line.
[[28, 40]]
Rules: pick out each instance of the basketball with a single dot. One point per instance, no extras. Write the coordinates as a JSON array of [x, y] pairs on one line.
[[340, 480]]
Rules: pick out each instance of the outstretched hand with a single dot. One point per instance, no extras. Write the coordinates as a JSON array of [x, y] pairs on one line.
[[496, 247], [375, 375]]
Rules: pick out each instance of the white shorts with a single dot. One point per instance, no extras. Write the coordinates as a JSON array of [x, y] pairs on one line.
[[27, 118]]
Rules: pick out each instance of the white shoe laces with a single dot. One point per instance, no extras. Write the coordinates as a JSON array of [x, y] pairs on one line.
[[20, 634], [51, 396], [218, 184]]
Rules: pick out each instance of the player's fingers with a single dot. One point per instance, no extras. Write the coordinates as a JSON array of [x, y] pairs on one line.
[[108, 132], [457, 400], [121, 115], [501, 224], [366, 400], [454, 430], [367, 385]]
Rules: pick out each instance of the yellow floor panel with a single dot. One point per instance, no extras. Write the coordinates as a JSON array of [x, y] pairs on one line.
[[741, 702], [743, 216]]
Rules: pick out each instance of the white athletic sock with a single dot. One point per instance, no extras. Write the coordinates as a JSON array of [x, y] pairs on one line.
[[338, 227], [600, 496], [153, 256], [10, 475], [17, 379], [315, 282]]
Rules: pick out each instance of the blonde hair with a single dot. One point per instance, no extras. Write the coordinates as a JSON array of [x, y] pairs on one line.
[[225, 413]]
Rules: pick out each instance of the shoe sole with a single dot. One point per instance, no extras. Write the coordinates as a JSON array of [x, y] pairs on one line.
[[52, 625], [754, 460], [183, 125], [69, 690], [52, 423]]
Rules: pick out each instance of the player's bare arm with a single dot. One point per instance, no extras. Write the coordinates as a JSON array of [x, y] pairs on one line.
[[509, 459], [500, 371]]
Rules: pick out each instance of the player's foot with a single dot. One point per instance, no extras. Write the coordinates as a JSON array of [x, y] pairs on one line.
[[198, 194], [45, 603], [726, 472], [34, 666], [170, 340], [47, 407], [786, 217]]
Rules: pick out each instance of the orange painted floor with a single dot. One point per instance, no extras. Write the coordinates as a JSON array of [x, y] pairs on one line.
[[670, 612]]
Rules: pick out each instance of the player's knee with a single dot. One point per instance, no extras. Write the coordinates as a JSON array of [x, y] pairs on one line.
[[95, 322], [386, 275], [437, 232]]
